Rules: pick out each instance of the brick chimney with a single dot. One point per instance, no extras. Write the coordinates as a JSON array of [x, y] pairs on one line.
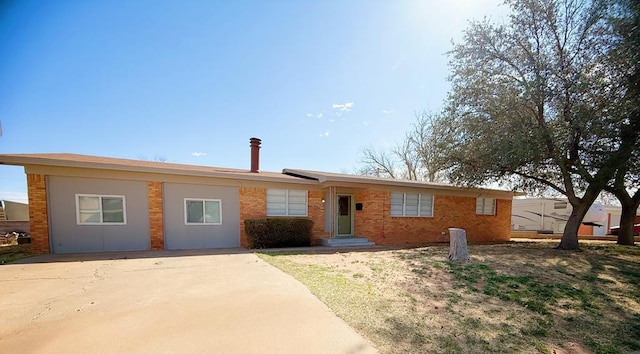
[[255, 154]]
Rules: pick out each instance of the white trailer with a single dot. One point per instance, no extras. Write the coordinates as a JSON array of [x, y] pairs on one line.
[[550, 215]]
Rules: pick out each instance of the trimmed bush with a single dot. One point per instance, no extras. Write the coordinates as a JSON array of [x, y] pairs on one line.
[[278, 232]]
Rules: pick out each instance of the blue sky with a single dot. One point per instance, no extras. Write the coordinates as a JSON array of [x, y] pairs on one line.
[[192, 81]]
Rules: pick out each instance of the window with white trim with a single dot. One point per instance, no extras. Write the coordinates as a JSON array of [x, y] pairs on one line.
[[202, 211], [282, 202], [93, 209], [411, 204], [485, 206]]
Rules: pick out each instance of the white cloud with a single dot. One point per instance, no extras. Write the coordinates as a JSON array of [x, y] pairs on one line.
[[366, 123], [343, 106], [198, 154], [387, 111], [310, 115], [319, 115], [325, 134], [331, 120]]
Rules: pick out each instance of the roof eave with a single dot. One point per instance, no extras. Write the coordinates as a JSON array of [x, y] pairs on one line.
[[38, 161]]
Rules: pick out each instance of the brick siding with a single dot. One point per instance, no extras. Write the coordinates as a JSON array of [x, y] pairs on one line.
[[376, 223], [156, 223], [38, 213], [10, 226], [316, 213], [253, 204]]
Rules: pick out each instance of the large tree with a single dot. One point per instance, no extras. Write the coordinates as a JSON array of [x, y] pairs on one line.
[[416, 157], [624, 60], [529, 103]]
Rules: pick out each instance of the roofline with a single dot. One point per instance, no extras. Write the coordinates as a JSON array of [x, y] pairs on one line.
[[17, 160], [334, 179], [292, 176]]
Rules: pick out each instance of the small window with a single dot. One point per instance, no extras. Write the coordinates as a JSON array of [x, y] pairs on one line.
[[485, 206], [560, 205], [203, 211], [282, 202], [411, 204], [100, 209]]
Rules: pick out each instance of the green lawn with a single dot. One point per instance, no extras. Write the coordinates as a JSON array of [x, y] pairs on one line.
[[517, 297]]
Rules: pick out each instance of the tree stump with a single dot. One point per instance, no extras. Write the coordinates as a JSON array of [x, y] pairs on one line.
[[458, 245]]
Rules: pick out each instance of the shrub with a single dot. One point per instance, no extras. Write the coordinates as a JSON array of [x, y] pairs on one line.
[[278, 232]]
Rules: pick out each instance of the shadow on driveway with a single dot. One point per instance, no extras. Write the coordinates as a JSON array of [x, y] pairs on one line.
[[105, 256]]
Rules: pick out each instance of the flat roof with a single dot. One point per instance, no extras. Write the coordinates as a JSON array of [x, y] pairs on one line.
[[112, 163], [330, 178], [287, 175]]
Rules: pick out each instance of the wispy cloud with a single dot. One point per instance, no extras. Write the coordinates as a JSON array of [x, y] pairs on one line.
[[366, 123], [345, 107], [325, 134], [387, 111], [315, 115], [198, 154]]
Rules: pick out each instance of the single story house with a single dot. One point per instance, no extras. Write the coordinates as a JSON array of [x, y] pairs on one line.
[[80, 203]]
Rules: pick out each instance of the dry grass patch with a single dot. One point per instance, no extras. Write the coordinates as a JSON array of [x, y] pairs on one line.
[[10, 253], [517, 297]]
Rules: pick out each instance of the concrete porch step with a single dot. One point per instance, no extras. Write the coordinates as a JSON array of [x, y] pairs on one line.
[[346, 242]]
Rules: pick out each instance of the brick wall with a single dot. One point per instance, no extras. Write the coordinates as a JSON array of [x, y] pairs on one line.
[[376, 223], [38, 213], [156, 223], [316, 213], [10, 226], [253, 204]]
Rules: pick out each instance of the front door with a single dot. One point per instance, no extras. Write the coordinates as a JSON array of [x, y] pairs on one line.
[[345, 216]]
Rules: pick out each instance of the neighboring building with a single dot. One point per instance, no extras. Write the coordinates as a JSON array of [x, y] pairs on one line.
[[613, 218], [14, 216], [550, 215], [13, 211], [84, 203]]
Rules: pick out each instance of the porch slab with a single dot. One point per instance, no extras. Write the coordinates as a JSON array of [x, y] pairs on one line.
[[346, 242]]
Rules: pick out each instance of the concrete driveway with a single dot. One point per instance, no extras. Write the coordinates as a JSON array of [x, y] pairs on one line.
[[223, 302]]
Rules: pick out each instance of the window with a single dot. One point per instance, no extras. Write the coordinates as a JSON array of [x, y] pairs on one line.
[[485, 206], [560, 205], [281, 202], [411, 204], [202, 211], [100, 209]]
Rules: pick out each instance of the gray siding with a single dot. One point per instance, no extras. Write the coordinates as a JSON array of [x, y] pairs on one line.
[[177, 235], [67, 236]]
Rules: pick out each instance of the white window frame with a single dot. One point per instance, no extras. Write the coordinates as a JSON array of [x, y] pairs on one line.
[[420, 198], [101, 222], [484, 206], [204, 222], [286, 201]]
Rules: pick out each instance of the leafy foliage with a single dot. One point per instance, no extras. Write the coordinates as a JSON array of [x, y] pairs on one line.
[[278, 232], [534, 103]]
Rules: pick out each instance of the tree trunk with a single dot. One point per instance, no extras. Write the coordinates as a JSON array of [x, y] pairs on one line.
[[627, 220], [569, 239]]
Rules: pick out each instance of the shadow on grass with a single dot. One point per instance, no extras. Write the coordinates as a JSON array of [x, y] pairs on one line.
[[584, 295]]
